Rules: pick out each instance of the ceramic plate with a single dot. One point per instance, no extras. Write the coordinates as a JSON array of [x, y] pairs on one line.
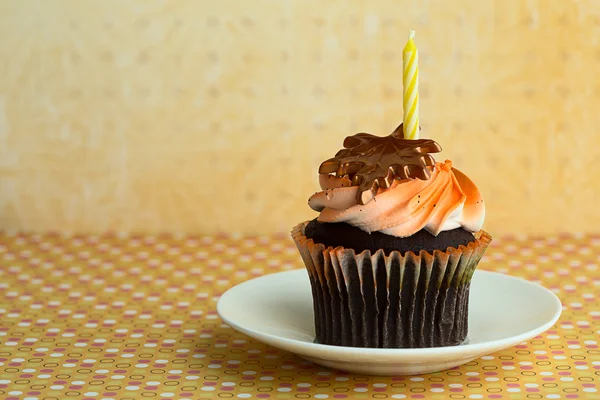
[[277, 310]]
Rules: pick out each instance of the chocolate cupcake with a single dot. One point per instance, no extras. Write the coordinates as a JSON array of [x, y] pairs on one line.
[[391, 255]]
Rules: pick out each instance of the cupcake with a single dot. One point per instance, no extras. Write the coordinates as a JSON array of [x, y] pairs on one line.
[[391, 254]]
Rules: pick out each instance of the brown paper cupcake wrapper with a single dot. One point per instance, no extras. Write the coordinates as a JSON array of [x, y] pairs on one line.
[[394, 300]]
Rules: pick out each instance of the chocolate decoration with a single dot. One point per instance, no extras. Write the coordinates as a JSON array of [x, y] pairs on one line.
[[371, 162]]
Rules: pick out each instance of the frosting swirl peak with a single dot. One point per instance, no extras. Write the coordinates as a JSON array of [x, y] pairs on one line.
[[447, 200]]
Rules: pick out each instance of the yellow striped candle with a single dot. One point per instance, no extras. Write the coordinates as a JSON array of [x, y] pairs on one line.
[[410, 80]]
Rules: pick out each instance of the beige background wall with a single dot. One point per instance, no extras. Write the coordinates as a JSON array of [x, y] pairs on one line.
[[211, 116]]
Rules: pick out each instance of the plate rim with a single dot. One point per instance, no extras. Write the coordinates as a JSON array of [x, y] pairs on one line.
[[315, 350]]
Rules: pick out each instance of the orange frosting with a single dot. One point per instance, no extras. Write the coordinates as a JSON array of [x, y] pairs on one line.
[[448, 200]]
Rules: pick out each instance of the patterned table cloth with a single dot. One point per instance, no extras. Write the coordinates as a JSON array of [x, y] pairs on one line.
[[130, 317]]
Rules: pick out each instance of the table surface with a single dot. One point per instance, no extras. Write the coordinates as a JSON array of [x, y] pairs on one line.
[[123, 317]]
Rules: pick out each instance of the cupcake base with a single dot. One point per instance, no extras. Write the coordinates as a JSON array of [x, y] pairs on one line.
[[341, 234], [390, 300]]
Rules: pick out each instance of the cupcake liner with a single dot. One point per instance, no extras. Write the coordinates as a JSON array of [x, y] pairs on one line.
[[394, 300]]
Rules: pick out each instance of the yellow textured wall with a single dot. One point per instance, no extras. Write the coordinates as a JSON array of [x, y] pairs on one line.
[[214, 115]]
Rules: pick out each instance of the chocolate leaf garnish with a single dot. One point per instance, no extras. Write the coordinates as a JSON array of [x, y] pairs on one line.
[[371, 162]]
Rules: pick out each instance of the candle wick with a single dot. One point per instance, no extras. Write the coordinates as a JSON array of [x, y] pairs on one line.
[[411, 34]]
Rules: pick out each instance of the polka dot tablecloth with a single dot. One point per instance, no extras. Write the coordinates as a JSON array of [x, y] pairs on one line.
[[129, 317]]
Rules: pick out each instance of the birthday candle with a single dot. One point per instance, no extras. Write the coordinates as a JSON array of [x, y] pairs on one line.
[[410, 80]]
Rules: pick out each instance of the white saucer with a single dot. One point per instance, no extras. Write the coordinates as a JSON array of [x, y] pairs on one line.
[[277, 310]]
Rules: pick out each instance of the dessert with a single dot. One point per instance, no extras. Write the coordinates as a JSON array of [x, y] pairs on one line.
[[391, 255]]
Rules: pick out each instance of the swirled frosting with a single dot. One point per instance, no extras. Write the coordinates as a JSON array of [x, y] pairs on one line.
[[448, 200]]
